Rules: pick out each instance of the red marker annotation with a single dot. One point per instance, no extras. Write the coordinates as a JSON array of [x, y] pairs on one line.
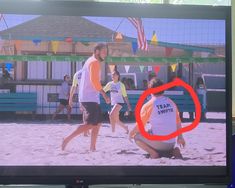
[[176, 82]]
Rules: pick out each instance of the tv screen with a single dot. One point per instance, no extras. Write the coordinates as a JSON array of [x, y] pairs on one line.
[[96, 93]]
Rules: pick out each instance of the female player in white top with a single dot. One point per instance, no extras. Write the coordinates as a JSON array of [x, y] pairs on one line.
[[118, 93]]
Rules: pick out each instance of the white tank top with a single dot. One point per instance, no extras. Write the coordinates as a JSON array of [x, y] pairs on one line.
[[163, 117], [87, 93]]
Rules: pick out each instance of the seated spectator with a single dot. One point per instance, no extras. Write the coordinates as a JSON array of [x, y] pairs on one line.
[[151, 75], [130, 83], [124, 81], [145, 84]]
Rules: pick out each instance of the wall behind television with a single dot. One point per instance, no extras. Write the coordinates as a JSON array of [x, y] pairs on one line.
[[233, 54]]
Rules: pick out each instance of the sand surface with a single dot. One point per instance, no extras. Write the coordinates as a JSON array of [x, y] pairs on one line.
[[39, 143]]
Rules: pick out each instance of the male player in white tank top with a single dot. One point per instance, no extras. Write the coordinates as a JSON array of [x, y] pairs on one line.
[[163, 116], [89, 90]]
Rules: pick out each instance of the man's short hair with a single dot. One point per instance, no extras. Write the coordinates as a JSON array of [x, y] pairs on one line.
[[156, 82], [100, 46]]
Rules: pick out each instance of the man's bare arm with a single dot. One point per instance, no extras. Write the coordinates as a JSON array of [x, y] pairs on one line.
[[180, 139], [106, 98]]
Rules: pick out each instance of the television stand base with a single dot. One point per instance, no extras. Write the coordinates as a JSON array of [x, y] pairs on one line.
[[76, 186]]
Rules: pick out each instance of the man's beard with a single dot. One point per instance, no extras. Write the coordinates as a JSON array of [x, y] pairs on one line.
[[100, 58]]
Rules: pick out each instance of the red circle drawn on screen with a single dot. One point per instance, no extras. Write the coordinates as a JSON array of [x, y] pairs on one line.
[[176, 82]]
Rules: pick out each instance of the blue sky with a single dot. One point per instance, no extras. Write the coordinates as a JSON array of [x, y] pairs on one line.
[[13, 20], [171, 30], [183, 31]]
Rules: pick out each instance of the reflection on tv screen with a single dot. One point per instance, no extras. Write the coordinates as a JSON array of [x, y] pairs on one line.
[[70, 85]]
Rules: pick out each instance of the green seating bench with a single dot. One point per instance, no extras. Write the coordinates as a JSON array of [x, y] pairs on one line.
[[15, 102], [184, 102]]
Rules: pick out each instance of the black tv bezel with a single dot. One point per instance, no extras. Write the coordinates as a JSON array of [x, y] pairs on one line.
[[125, 174]]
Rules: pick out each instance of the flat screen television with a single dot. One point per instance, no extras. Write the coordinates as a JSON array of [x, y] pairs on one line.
[[41, 41]]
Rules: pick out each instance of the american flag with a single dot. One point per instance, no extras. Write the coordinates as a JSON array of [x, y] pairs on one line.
[[142, 42]]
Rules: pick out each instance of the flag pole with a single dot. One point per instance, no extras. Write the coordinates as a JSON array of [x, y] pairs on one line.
[[5, 21], [117, 28]]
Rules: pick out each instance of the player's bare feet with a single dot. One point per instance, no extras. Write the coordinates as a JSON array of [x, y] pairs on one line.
[[64, 144], [154, 155], [176, 153], [86, 133], [92, 149]]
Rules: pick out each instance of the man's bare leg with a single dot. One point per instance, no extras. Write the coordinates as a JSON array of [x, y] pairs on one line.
[[69, 109], [94, 135], [79, 130], [148, 149]]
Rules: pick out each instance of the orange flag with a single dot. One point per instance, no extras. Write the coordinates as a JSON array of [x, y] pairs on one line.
[[18, 44], [118, 37], [111, 68]]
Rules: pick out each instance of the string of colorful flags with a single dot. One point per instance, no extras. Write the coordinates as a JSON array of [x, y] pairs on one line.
[[155, 68], [143, 45], [140, 44], [55, 46]]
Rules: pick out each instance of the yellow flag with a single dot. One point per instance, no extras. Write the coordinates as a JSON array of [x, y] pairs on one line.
[[118, 37], [54, 46], [111, 68], [154, 40], [173, 67]]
